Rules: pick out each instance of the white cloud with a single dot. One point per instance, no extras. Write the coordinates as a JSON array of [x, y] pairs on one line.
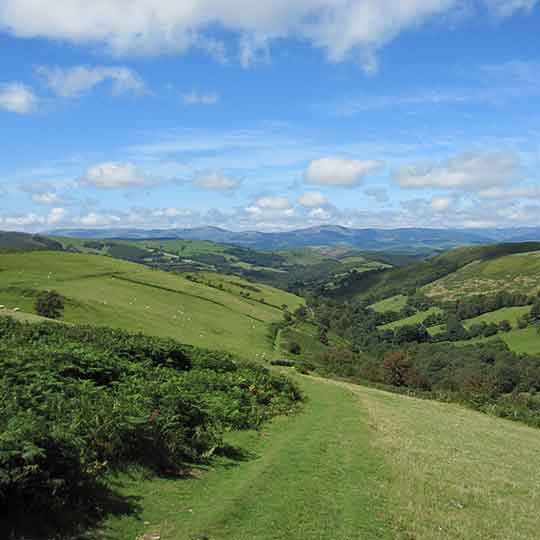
[[56, 216], [47, 198], [341, 28], [215, 181], [312, 198], [331, 171], [473, 170], [524, 192], [17, 98], [74, 81], [200, 98], [320, 214], [273, 202], [442, 203], [117, 175]]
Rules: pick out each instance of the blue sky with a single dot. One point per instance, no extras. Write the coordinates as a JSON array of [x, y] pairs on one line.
[[270, 115]]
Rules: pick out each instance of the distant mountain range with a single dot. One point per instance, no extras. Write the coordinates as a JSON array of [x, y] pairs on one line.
[[406, 239]]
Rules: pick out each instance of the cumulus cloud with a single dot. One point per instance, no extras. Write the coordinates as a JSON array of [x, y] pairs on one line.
[[17, 98], [200, 98], [332, 171], [442, 203], [524, 192], [312, 198], [117, 175], [47, 198], [215, 181], [74, 81], [341, 28], [273, 202], [475, 170]]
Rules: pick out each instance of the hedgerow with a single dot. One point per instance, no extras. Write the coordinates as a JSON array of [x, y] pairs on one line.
[[79, 402]]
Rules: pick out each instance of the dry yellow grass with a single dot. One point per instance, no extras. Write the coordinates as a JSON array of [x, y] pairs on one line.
[[456, 473]]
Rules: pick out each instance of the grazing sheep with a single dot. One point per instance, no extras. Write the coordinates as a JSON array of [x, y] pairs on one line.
[[16, 309]]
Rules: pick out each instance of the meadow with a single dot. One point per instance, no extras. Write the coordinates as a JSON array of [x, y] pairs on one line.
[[105, 291]]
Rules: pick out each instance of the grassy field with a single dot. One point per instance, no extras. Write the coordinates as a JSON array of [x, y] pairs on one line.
[[511, 314], [304, 477], [456, 474], [101, 290], [417, 318], [394, 303], [514, 273]]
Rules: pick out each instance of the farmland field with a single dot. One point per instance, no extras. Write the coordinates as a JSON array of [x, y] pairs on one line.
[[394, 303], [104, 291]]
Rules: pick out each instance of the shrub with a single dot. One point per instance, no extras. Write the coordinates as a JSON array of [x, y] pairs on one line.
[[295, 348], [49, 304], [78, 402]]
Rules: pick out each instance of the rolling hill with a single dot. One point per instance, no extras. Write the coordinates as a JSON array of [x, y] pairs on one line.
[[215, 312], [416, 239], [406, 279]]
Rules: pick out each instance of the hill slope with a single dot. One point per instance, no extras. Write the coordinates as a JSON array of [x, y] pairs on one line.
[[104, 291], [403, 280], [392, 467]]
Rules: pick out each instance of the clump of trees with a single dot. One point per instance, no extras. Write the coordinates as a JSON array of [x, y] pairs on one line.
[[50, 304]]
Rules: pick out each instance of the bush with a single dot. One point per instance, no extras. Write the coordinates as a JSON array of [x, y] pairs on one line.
[[295, 348], [78, 402], [49, 304]]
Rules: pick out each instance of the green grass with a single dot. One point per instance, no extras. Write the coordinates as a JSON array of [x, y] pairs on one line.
[[311, 476], [526, 340], [456, 474], [417, 318], [514, 273], [104, 291], [356, 463], [394, 303]]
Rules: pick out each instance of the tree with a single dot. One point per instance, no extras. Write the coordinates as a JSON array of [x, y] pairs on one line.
[[455, 330], [522, 322], [396, 367], [323, 336], [50, 304], [505, 326], [294, 347], [534, 315]]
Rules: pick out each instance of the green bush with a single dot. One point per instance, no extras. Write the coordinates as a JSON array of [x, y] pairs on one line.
[[78, 402]]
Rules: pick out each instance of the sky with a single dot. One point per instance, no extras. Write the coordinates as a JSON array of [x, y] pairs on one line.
[[269, 115]]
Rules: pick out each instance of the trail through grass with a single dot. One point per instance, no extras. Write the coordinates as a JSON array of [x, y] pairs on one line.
[[310, 476]]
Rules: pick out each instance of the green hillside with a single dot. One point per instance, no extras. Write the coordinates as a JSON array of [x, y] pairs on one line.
[[518, 272], [292, 269], [403, 280], [104, 291]]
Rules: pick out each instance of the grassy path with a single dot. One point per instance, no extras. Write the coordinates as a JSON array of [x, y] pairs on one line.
[[314, 476]]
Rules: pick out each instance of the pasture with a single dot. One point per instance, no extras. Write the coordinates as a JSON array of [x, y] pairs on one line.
[[104, 291]]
